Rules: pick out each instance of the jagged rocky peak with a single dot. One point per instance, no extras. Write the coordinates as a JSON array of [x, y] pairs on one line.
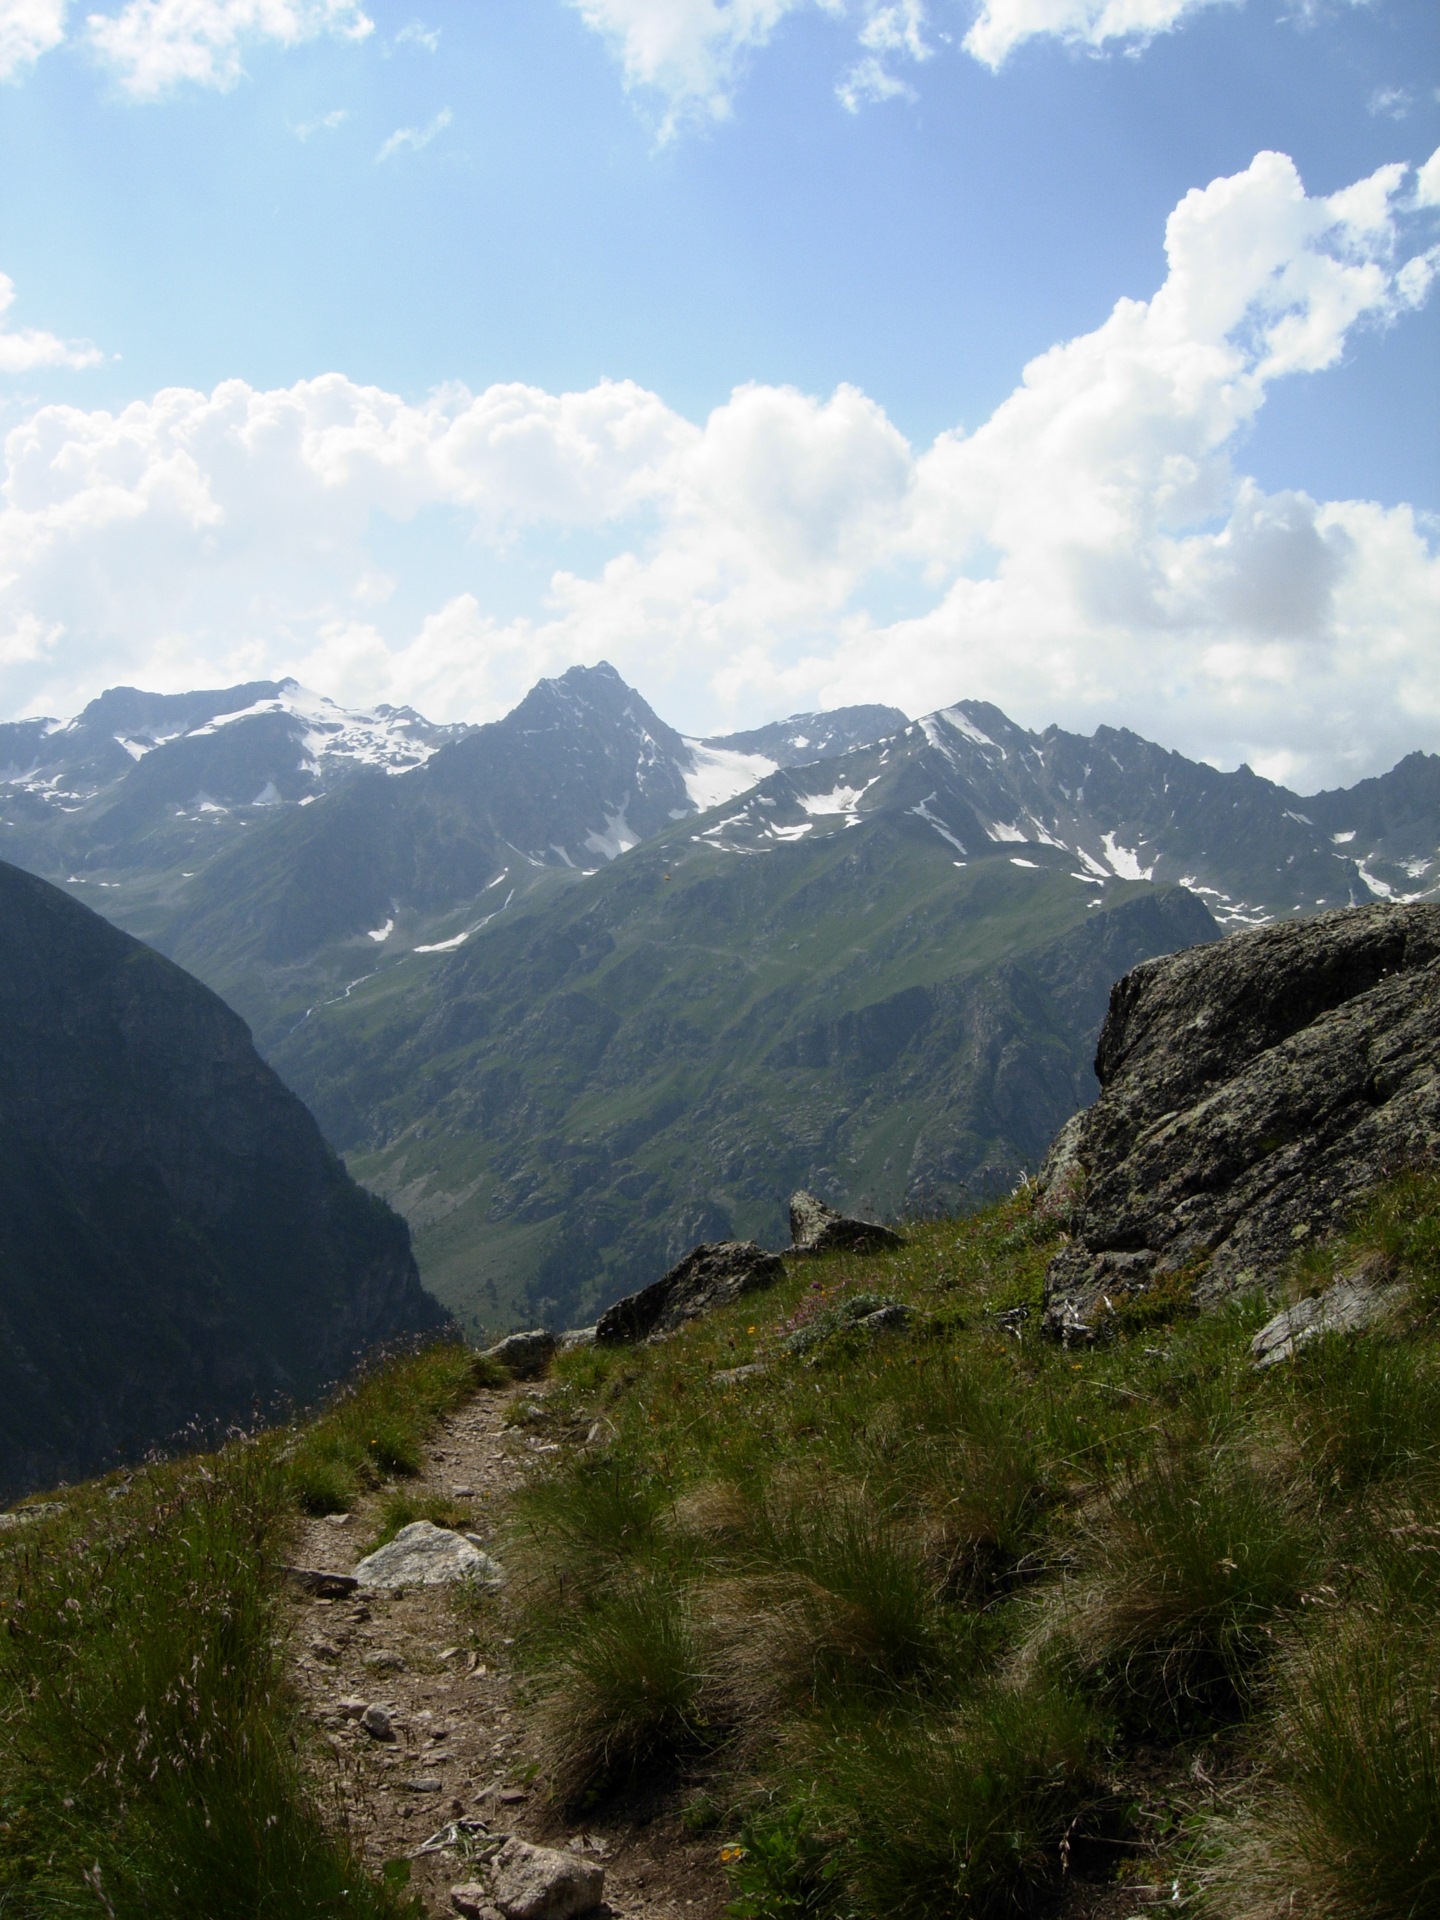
[[178, 1245], [1113, 806], [1251, 1092]]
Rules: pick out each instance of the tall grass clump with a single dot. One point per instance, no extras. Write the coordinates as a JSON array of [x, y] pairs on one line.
[[1185, 1567], [628, 1690], [1349, 1828], [149, 1767], [971, 1817]]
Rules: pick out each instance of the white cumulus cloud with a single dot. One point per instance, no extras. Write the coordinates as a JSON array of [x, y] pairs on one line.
[[1003, 25], [28, 28], [1090, 553], [154, 45], [25, 349]]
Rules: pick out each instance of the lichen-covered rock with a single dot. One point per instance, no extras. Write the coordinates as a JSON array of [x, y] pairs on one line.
[[708, 1277], [544, 1883], [817, 1228], [1251, 1093], [424, 1555]]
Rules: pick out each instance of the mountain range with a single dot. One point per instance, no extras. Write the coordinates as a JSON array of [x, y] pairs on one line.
[[574, 990]]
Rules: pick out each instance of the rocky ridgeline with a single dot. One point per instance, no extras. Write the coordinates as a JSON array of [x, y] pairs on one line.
[[1252, 1093]]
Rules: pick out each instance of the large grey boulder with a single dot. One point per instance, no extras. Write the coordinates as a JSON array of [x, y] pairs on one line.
[[708, 1277], [424, 1555], [544, 1883], [817, 1228], [1251, 1094], [524, 1354]]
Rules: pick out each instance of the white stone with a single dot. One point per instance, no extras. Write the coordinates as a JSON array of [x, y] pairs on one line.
[[424, 1555]]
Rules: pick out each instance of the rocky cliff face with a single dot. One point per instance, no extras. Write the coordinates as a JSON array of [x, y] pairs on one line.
[[177, 1242], [1251, 1092]]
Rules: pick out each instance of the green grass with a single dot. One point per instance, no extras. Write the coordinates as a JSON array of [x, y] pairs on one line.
[[939, 1616], [152, 1754], [375, 1426]]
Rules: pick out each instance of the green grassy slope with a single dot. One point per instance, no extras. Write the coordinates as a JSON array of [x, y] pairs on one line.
[[664, 1053], [944, 1621]]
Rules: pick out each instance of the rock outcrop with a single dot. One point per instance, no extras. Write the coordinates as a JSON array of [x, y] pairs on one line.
[[818, 1228], [177, 1242], [708, 1277], [1251, 1093]]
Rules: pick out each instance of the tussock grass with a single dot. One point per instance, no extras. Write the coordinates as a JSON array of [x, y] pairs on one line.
[[941, 1605], [152, 1757], [148, 1767], [1348, 1828], [627, 1691], [977, 1814], [1184, 1569]]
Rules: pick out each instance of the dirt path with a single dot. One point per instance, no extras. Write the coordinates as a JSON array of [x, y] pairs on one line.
[[462, 1770]]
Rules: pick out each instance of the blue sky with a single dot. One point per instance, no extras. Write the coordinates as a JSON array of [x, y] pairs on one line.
[[423, 352]]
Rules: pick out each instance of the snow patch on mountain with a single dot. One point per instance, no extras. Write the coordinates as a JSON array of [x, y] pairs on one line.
[[1124, 861], [618, 837], [717, 774]]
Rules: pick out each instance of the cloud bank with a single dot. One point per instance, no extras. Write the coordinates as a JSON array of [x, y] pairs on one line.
[[1089, 553]]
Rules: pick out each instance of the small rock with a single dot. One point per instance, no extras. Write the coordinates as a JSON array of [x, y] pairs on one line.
[[350, 1709], [732, 1376], [544, 1883], [377, 1722], [512, 1796], [462, 1493], [384, 1661], [473, 1900], [524, 1354], [1348, 1306], [816, 1228], [427, 1783], [319, 1581], [893, 1318], [27, 1516], [424, 1555], [577, 1337]]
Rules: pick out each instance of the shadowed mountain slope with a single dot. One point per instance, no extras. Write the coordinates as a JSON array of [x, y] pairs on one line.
[[177, 1242]]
